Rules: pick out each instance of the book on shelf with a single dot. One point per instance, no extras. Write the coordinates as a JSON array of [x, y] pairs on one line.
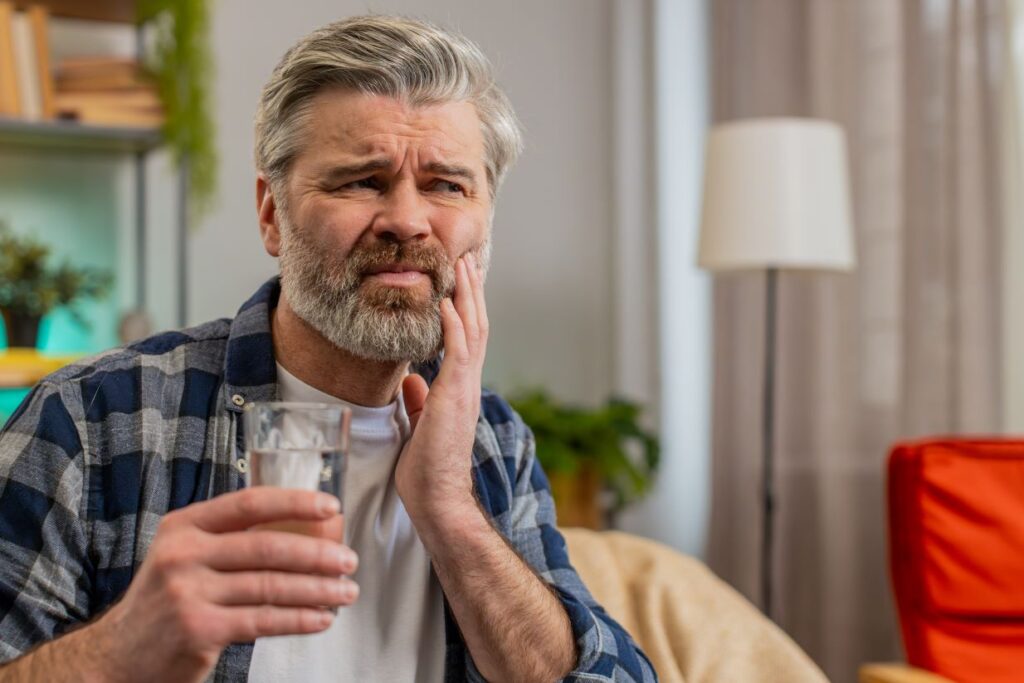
[[29, 94], [98, 81], [106, 91], [39, 21], [89, 74], [26, 82], [134, 98], [10, 101], [100, 115], [98, 90], [73, 68]]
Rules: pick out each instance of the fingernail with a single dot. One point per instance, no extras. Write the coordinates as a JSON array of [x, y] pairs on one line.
[[350, 590], [328, 504], [347, 559], [326, 617]]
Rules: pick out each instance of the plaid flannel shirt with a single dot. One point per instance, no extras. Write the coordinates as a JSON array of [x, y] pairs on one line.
[[102, 449]]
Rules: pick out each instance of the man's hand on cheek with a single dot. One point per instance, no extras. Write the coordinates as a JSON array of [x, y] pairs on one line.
[[434, 476]]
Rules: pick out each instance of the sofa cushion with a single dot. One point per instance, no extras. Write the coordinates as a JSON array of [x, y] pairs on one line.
[[957, 556]]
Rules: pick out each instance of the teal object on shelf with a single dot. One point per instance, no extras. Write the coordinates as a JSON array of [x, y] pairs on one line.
[[10, 399], [58, 333]]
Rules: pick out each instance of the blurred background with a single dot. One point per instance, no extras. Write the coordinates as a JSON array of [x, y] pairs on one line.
[[129, 160]]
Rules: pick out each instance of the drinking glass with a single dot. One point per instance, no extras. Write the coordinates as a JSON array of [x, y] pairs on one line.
[[299, 446]]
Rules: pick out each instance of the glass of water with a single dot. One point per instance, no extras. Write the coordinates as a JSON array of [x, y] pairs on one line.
[[299, 446]]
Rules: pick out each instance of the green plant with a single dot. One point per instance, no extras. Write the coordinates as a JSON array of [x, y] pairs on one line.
[[29, 286], [569, 437], [182, 65]]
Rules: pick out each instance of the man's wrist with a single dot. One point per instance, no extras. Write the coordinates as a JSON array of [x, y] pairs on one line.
[[82, 654], [446, 518]]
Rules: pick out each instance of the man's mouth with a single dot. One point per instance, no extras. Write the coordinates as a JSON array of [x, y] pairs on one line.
[[396, 275]]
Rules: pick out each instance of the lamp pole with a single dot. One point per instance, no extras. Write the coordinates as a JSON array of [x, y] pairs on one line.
[[768, 442], [776, 197]]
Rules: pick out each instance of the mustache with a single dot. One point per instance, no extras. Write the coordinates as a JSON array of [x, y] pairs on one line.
[[431, 260]]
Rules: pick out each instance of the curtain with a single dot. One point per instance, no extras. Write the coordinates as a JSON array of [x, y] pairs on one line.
[[907, 345]]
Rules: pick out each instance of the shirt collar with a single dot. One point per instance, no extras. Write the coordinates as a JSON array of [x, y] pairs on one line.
[[250, 370]]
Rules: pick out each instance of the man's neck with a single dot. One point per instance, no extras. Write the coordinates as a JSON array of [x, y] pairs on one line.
[[305, 353]]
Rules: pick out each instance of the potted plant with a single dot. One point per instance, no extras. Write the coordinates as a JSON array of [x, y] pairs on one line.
[[598, 460], [30, 288], [181, 62]]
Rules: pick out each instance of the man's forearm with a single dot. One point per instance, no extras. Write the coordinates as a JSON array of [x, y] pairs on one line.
[[514, 625], [77, 657]]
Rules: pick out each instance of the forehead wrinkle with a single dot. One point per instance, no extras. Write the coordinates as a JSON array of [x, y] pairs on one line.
[[348, 131], [391, 156], [439, 147]]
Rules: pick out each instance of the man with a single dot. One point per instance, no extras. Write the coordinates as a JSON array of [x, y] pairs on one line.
[[124, 521]]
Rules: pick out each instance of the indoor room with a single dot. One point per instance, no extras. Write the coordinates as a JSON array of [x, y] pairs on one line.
[[422, 340]]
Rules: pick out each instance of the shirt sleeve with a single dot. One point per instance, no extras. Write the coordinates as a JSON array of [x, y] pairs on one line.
[[43, 575], [606, 651]]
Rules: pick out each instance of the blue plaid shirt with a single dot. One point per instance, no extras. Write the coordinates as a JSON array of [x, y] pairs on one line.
[[102, 449]]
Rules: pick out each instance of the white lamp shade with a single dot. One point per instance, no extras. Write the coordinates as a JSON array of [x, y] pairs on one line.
[[776, 195]]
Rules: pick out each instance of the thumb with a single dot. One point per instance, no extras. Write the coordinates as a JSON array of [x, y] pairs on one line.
[[414, 393]]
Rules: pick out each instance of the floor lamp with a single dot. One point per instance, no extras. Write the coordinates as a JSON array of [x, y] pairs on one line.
[[776, 197]]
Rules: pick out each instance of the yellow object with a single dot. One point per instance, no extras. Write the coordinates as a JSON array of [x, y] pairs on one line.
[[25, 367], [898, 673], [692, 625]]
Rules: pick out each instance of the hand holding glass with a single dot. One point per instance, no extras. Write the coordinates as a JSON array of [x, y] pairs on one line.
[[299, 446]]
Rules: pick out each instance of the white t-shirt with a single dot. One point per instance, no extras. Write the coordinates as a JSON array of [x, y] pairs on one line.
[[395, 630]]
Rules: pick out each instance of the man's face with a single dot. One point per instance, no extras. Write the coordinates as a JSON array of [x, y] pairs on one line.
[[378, 206]]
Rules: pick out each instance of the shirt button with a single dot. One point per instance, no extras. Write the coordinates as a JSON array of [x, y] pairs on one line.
[[238, 399]]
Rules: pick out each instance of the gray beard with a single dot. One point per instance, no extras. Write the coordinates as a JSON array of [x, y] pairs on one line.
[[377, 323]]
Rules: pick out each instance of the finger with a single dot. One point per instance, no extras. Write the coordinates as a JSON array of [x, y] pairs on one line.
[[280, 551], [454, 335], [257, 505], [414, 394], [283, 589], [244, 624], [329, 529], [465, 302], [481, 303]]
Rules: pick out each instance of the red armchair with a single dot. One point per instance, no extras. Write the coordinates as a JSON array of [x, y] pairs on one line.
[[956, 552]]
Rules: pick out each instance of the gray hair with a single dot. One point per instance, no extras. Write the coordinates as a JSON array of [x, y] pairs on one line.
[[406, 59]]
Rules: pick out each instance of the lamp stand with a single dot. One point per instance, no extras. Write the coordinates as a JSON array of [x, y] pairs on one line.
[[768, 442]]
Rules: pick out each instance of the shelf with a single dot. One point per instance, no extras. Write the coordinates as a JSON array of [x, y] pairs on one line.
[[120, 11], [21, 368], [72, 135]]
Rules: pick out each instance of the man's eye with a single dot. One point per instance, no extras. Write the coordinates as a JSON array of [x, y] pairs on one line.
[[361, 184], [448, 186]]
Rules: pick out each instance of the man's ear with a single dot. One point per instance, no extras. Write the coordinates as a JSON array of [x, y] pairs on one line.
[[266, 209]]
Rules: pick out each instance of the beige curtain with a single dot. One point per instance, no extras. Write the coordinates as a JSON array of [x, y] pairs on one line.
[[908, 345]]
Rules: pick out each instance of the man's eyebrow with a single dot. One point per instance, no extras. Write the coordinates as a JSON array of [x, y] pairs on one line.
[[453, 170], [350, 170], [343, 171]]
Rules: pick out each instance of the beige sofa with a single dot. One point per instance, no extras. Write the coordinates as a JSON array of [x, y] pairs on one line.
[[693, 626]]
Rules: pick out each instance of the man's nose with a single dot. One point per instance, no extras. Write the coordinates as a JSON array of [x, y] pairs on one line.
[[403, 214]]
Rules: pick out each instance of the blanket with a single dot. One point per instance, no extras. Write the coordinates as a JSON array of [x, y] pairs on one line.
[[693, 626]]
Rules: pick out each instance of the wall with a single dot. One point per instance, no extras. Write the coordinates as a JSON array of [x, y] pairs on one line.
[[676, 513]]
